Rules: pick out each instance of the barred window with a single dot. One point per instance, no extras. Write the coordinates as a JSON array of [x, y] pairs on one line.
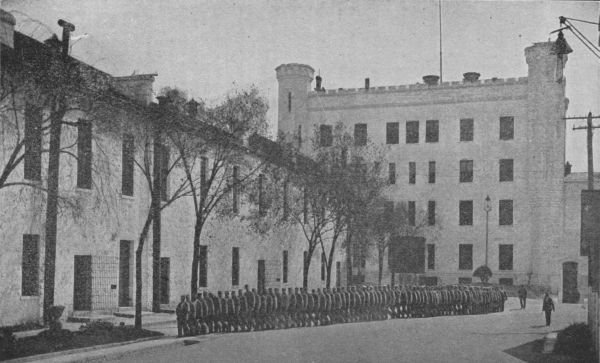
[[392, 173], [412, 211], [430, 256], [235, 266]]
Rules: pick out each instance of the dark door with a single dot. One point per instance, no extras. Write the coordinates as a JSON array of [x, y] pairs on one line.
[[570, 293], [165, 268], [124, 273], [82, 283], [260, 283]]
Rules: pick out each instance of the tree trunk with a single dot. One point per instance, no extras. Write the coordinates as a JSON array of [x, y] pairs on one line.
[[349, 258], [138, 271], [306, 268], [380, 262], [156, 222], [52, 211], [195, 257], [330, 263]]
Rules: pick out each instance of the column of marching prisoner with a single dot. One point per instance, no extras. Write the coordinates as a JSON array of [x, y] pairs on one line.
[[249, 310]]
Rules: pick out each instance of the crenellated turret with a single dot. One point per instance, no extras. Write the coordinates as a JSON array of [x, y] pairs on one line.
[[294, 84]]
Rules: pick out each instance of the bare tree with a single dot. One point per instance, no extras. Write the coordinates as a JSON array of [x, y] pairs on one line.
[[213, 157]]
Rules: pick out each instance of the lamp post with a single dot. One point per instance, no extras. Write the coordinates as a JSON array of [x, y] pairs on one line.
[[487, 207]]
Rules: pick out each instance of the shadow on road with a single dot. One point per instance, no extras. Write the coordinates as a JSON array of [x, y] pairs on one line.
[[531, 352], [537, 326]]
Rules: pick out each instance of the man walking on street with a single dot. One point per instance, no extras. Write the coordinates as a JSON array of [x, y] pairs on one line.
[[548, 308], [523, 296]]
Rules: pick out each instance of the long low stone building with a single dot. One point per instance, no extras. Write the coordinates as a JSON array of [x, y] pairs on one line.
[[105, 199]]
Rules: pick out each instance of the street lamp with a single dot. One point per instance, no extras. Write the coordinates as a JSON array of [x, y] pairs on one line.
[[487, 207]]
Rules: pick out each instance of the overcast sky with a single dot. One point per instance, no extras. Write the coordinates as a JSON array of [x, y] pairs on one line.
[[209, 48]]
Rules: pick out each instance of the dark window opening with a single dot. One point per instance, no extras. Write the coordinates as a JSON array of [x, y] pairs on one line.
[[236, 190], [431, 212], [289, 101], [203, 267], [360, 134], [285, 267], [466, 171], [430, 256], [30, 265], [505, 212], [432, 172], [432, 131], [388, 210], [164, 160], [505, 257], [465, 257], [325, 135], [506, 170], [392, 133], [127, 165], [235, 266], [261, 195], [392, 173], [412, 172], [32, 161], [466, 129], [412, 132], [465, 212], [84, 154], [507, 128], [412, 211], [286, 205]]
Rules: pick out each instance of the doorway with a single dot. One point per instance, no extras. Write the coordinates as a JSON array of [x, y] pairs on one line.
[[570, 293], [82, 283], [125, 273]]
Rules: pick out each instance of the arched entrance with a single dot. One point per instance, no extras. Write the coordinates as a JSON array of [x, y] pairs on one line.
[[570, 293]]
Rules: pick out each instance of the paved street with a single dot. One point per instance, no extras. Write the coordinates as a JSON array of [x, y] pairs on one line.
[[483, 338]]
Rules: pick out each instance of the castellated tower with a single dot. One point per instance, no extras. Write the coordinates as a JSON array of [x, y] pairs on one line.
[[546, 108], [294, 84]]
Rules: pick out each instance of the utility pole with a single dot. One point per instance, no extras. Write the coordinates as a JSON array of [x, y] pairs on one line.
[[58, 109], [590, 154]]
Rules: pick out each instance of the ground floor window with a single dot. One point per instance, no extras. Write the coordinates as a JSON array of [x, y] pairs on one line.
[[465, 280], [507, 281]]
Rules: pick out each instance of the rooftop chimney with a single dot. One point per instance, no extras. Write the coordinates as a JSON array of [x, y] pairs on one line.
[[431, 80], [471, 77], [7, 28], [66, 35], [367, 84]]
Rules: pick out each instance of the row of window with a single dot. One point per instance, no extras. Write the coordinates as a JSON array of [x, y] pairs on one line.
[[432, 131], [465, 257], [506, 171], [505, 215]]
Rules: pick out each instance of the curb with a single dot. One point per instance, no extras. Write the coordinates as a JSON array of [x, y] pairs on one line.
[[40, 357]]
